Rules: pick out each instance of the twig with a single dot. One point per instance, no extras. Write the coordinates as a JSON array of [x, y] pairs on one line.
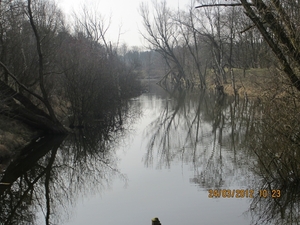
[[218, 5], [247, 28]]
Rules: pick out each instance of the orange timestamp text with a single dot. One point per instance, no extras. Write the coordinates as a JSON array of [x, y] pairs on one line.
[[242, 193], [230, 193], [274, 193]]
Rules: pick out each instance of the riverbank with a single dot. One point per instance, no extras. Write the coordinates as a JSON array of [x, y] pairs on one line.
[[14, 135], [250, 83], [253, 82]]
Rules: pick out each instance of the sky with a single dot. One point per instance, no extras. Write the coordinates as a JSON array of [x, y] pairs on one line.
[[124, 13]]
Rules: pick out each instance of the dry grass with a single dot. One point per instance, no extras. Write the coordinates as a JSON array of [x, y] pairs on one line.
[[253, 83]]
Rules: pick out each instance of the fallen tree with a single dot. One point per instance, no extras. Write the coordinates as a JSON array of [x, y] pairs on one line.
[[15, 104]]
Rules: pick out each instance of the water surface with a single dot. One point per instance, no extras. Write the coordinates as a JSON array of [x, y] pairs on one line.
[[158, 155], [163, 175]]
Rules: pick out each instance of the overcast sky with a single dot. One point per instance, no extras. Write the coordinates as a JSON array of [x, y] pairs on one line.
[[123, 13]]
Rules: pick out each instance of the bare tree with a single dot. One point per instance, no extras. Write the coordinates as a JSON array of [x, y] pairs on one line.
[[17, 87], [279, 30], [187, 25], [163, 37], [44, 99]]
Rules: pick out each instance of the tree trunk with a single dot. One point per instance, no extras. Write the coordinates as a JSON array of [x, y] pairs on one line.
[[268, 38]]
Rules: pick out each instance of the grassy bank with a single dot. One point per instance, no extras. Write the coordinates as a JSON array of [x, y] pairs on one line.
[[254, 82]]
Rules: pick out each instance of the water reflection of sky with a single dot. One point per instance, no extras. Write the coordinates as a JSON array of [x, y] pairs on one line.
[[166, 193]]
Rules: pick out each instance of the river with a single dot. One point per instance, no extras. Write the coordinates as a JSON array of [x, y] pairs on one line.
[[186, 157]]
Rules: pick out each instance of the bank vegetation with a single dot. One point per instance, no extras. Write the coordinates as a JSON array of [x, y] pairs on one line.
[[207, 42], [53, 73]]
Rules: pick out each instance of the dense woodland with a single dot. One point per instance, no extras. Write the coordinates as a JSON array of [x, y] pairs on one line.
[[50, 69]]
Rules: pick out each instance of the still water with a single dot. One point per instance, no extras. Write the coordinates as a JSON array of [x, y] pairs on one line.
[[184, 157], [160, 185]]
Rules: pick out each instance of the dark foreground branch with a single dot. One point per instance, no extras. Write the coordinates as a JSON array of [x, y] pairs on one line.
[[41, 64]]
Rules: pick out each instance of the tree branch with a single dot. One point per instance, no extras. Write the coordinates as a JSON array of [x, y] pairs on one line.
[[247, 28], [41, 63], [20, 84], [218, 5]]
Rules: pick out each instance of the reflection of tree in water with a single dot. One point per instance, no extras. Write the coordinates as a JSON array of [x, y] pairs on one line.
[[276, 142], [26, 174], [205, 130], [237, 143], [48, 176]]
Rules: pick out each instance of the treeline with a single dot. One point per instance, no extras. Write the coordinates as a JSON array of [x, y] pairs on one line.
[[215, 35], [149, 63], [50, 69]]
